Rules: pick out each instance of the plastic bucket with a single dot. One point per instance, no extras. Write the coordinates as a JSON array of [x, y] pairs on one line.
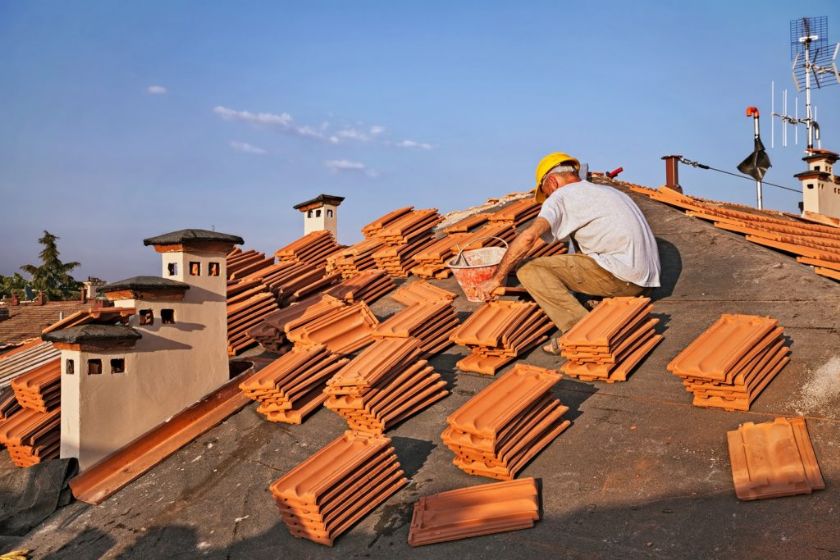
[[476, 266]]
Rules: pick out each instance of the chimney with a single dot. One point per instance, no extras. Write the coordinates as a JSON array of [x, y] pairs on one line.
[[672, 172], [320, 213]]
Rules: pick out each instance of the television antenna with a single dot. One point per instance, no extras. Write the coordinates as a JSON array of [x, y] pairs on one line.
[[814, 65]]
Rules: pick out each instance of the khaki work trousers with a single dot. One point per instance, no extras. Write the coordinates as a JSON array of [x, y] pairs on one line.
[[551, 281]]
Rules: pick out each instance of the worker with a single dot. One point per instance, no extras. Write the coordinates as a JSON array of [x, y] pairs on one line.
[[615, 252]]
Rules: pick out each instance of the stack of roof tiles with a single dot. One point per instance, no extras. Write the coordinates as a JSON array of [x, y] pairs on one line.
[[732, 361], [384, 385], [288, 281], [241, 263], [430, 323], [430, 262], [312, 248], [352, 260], [517, 213], [291, 387], [611, 340], [421, 291], [403, 238], [376, 226], [499, 332], [773, 459], [270, 332], [27, 357], [30, 420], [471, 512], [246, 308], [469, 223], [497, 432], [341, 329], [39, 389], [815, 244], [336, 487], [367, 286]]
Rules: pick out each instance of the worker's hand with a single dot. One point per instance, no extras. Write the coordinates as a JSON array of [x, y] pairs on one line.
[[486, 289]]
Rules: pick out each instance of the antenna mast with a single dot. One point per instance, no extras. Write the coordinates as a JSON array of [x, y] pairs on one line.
[[814, 65]]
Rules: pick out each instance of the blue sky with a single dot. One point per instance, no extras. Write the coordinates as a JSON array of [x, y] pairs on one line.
[[125, 120]]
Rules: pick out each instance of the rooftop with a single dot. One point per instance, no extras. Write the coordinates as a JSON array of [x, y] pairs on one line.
[[640, 473], [27, 320]]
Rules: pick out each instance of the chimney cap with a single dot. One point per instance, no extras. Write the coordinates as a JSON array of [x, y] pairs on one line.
[[145, 284], [93, 333], [319, 200], [187, 236]]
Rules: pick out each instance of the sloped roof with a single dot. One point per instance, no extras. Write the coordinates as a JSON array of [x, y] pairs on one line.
[[26, 358], [28, 320]]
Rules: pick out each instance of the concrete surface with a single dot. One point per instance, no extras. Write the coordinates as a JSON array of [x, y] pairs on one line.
[[639, 474]]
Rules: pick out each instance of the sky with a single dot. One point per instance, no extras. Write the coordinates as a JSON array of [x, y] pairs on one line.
[[124, 120]]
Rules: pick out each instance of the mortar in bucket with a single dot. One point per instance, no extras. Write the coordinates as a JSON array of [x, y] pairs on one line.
[[476, 266]]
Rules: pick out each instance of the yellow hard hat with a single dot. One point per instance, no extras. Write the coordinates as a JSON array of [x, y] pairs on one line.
[[548, 163]]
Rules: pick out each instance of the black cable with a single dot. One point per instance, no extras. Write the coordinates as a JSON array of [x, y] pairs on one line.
[[748, 178]]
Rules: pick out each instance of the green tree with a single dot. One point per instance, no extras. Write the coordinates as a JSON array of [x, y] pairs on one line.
[[14, 283], [53, 276]]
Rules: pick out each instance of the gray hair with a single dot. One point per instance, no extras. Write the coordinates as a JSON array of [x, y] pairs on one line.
[[559, 169]]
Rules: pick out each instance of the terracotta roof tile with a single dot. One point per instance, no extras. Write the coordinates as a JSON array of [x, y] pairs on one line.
[[313, 248], [342, 330], [325, 495], [498, 332], [497, 432], [475, 511], [732, 362], [784, 232], [27, 358], [610, 341], [380, 223], [40, 388], [404, 390], [773, 459], [421, 291], [291, 387], [430, 323], [517, 212], [468, 223]]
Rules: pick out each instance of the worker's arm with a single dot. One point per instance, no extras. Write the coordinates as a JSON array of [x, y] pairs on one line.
[[517, 250]]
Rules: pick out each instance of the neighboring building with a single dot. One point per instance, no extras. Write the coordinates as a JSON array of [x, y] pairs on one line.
[[121, 380], [320, 213], [820, 185]]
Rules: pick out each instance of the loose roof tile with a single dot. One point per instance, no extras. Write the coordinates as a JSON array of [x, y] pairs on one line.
[[421, 291], [475, 511], [773, 459], [30, 357]]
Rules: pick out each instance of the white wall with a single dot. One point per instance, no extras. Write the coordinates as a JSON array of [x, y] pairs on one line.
[[170, 367]]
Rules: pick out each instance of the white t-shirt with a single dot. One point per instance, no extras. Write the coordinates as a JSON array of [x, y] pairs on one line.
[[608, 226]]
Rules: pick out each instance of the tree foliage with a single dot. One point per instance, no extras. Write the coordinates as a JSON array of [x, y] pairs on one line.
[[52, 276]]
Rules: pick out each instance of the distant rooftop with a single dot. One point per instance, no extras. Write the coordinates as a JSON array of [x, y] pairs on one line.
[[193, 235]]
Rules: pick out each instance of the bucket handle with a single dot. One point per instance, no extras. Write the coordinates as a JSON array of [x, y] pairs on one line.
[[460, 255]]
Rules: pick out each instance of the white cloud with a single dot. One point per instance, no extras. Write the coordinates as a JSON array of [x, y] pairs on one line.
[[156, 90], [246, 148], [411, 144], [347, 166], [325, 132]]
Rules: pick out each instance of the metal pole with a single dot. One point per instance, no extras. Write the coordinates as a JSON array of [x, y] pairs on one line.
[[753, 111], [808, 119]]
